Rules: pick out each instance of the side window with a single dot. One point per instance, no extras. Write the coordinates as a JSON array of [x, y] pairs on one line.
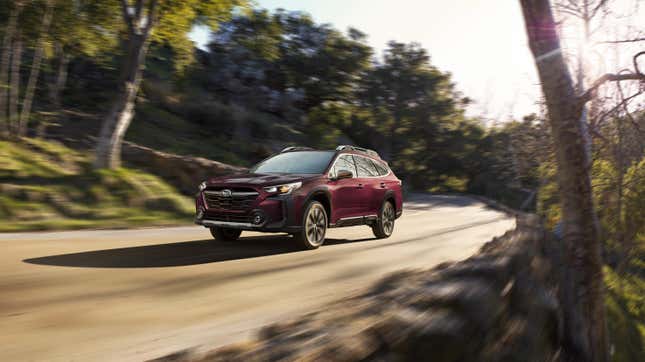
[[381, 168], [344, 163], [365, 167]]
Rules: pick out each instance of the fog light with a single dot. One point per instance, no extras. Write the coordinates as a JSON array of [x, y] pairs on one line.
[[257, 219]]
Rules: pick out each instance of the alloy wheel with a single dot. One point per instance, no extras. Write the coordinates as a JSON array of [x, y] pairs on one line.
[[388, 217], [316, 225]]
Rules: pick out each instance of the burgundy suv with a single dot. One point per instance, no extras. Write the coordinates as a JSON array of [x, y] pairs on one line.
[[303, 192]]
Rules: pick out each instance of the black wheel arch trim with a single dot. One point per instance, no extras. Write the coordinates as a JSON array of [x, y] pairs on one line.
[[390, 195], [320, 190]]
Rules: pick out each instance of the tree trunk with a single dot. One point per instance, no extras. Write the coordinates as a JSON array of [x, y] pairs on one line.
[[5, 59], [55, 88], [14, 89], [61, 79], [582, 289], [35, 71], [108, 149], [620, 238]]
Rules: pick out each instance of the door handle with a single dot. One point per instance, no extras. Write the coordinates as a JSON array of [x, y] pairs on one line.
[[360, 186], [382, 185]]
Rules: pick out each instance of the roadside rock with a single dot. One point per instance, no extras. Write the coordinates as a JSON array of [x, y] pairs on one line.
[[183, 172]]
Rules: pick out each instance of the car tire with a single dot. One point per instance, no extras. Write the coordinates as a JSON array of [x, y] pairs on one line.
[[384, 224], [313, 228], [225, 234]]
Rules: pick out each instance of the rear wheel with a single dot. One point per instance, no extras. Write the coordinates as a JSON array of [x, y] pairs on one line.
[[384, 225], [314, 226], [225, 234]]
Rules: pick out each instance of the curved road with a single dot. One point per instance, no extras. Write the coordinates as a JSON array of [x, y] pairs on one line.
[[141, 294]]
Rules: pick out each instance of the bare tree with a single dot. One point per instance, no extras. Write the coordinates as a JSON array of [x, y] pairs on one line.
[[582, 297], [57, 86], [5, 59], [35, 71], [14, 89]]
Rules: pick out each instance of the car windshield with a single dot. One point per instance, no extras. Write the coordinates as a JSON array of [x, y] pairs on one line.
[[308, 162]]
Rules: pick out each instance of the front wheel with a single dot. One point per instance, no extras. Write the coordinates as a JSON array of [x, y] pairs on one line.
[[384, 225], [314, 226], [225, 234]]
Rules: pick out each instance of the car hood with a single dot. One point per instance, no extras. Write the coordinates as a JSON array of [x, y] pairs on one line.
[[255, 179]]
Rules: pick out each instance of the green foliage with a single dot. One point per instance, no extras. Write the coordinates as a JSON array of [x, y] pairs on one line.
[[84, 27], [177, 17], [618, 187], [634, 211], [625, 301]]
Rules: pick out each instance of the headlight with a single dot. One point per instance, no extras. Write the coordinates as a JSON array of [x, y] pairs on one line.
[[283, 189], [202, 186]]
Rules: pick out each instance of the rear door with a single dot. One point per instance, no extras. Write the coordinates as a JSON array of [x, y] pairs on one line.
[[370, 182], [382, 184]]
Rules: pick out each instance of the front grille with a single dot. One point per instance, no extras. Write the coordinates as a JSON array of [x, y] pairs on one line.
[[230, 199], [229, 217]]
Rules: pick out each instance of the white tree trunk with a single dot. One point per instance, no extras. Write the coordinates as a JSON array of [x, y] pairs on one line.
[[108, 149]]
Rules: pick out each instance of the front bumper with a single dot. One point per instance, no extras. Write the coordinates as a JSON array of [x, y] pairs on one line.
[[276, 213]]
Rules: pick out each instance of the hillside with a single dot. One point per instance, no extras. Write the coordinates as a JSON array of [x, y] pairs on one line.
[[45, 185]]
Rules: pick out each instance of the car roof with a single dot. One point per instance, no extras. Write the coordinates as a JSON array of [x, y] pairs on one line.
[[343, 149]]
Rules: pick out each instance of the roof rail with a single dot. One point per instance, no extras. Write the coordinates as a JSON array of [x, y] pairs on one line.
[[358, 149], [296, 148]]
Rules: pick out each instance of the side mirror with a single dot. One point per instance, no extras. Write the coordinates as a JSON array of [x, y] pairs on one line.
[[341, 174]]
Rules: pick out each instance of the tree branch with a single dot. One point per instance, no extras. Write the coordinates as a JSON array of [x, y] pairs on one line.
[[622, 41], [588, 94], [137, 11], [624, 104], [126, 16], [625, 101], [598, 6], [635, 60], [599, 136], [152, 17]]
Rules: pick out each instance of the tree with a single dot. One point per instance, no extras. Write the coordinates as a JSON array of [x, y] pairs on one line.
[[32, 27], [164, 21], [419, 114], [83, 28], [35, 69], [583, 302], [5, 60]]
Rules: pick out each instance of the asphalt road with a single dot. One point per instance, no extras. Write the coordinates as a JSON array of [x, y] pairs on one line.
[[140, 294]]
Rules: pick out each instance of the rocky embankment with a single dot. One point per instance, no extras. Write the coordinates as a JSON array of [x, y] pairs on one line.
[[499, 305], [183, 172]]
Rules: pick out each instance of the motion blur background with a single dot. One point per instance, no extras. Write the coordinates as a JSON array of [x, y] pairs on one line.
[[109, 117]]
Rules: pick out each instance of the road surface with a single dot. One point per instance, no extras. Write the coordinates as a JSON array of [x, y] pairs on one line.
[[140, 294]]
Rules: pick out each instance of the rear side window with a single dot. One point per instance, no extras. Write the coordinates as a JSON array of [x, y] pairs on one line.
[[380, 167], [344, 162], [365, 167]]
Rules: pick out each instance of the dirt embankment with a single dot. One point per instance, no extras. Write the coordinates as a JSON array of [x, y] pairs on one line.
[[499, 305]]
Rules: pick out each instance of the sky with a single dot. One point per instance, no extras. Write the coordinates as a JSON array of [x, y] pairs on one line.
[[482, 43]]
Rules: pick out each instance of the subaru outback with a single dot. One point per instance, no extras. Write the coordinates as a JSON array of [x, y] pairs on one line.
[[303, 192]]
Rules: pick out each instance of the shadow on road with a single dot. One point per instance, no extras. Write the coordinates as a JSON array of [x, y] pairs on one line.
[[179, 254]]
